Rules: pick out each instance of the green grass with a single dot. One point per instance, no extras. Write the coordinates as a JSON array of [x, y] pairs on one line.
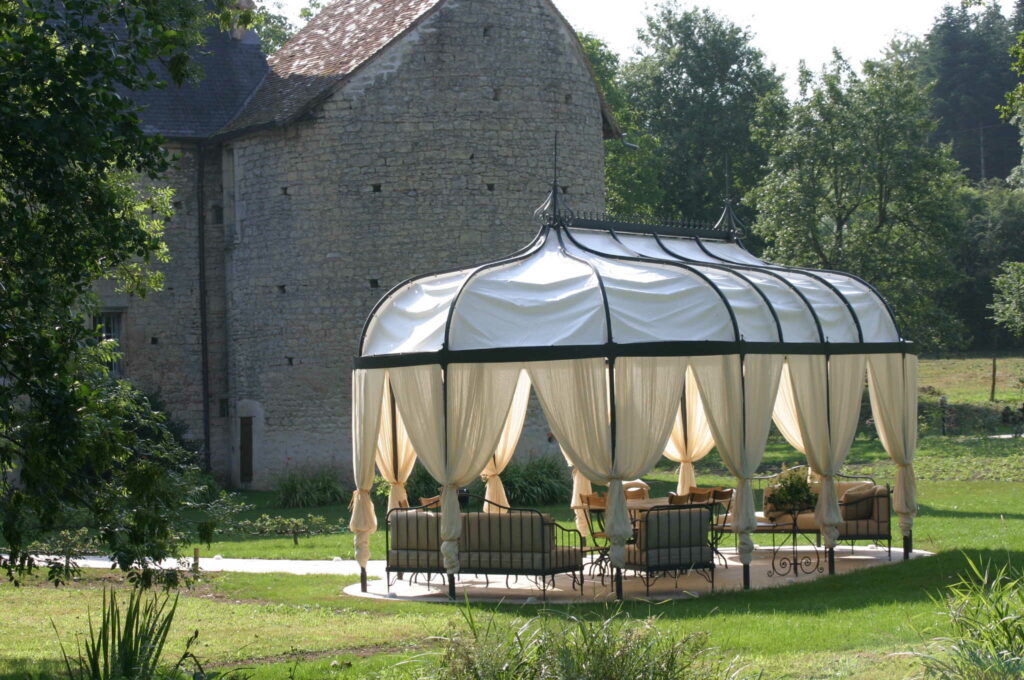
[[849, 626]]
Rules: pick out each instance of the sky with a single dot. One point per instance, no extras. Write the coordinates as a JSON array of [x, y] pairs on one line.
[[785, 30]]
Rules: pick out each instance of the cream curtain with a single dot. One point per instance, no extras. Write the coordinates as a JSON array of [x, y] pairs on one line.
[[574, 396], [395, 463], [691, 438], [495, 490], [581, 486], [367, 399], [892, 385], [738, 394], [479, 396], [822, 402]]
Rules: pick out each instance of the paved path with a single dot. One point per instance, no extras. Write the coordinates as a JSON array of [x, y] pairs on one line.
[[337, 567]]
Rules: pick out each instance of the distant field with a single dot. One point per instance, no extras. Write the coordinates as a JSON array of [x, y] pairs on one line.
[[969, 380]]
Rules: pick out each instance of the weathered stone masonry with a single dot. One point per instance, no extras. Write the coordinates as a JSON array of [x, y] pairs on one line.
[[433, 155]]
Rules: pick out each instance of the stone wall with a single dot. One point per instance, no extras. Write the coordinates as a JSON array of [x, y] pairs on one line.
[[433, 156], [161, 334]]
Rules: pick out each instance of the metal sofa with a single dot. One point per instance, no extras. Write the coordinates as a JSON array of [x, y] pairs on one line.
[[508, 542]]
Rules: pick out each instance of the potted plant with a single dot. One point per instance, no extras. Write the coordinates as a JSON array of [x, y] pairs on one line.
[[793, 494]]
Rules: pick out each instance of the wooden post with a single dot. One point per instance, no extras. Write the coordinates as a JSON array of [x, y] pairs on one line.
[[831, 561], [746, 577], [362, 579], [618, 583], [451, 586], [908, 544]]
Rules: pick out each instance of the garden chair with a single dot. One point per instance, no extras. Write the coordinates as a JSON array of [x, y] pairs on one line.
[[595, 506]]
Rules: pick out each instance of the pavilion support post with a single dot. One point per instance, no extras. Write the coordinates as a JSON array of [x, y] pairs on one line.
[[831, 560], [362, 579], [618, 583], [908, 544], [746, 577], [451, 586]]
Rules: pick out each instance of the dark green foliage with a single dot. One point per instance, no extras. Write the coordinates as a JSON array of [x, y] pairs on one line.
[[541, 481], [311, 488], [694, 90], [1008, 303], [966, 59], [854, 185], [296, 527], [552, 648], [72, 212], [985, 609]]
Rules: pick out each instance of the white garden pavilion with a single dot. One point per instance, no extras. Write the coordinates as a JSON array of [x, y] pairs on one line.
[[639, 341]]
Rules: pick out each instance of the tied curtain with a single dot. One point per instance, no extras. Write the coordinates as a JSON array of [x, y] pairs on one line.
[[575, 397], [817, 409], [454, 446], [395, 462], [737, 393], [892, 385], [506, 448], [367, 402], [691, 437]]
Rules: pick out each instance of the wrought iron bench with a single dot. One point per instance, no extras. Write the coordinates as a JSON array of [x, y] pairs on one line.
[[508, 542]]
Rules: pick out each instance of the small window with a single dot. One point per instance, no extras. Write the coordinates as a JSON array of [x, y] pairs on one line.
[[110, 323]]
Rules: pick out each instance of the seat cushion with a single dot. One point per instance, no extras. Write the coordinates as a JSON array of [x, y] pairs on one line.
[[855, 503], [561, 558], [415, 530], [685, 557], [414, 560], [513, 531]]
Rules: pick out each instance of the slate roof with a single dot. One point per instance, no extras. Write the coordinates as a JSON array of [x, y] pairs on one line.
[[331, 47], [342, 37], [232, 70]]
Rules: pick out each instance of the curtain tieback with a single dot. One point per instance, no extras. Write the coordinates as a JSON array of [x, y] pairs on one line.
[[394, 484], [355, 496], [904, 465], [486, 477]]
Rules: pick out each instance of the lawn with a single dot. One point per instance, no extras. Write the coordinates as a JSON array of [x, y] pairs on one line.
[[849, 626]]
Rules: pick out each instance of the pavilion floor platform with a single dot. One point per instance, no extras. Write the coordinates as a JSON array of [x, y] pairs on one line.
[[525, 590]]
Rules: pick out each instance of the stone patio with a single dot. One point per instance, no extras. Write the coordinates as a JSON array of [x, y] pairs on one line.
[[525, 590]]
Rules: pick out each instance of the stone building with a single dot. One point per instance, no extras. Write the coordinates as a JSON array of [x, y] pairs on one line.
[[387, 138]]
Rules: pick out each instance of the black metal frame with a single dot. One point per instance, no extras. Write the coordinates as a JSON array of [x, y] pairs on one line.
[[650, 574], [760, 483], [527, 518]]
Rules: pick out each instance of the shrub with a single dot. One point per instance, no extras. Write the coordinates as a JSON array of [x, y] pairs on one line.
[[310, 488], [541, 481], [546, 648], [986, 616], [264, 525]]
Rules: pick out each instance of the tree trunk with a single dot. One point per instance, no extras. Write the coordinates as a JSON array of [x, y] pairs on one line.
[[992, 392]]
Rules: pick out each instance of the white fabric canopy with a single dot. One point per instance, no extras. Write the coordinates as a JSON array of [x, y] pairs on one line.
[[574, 395], [495, 490], [394, 462], [367, 399], [606, 319], [892, 384], [737, 394], [820, 399], [691, 437]]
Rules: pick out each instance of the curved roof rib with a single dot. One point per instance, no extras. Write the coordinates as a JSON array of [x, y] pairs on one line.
[[588, 287]]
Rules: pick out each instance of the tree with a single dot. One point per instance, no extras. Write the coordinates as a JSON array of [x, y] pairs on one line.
[[854, 185], [274, 29], [966, 58], [73, 444], [694, 89], [632, 169], [1008, 303]]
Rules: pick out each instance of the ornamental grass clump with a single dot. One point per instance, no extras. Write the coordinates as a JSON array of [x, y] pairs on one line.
[[570, 648], [311, 488], [985, 609], [541, 481]]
